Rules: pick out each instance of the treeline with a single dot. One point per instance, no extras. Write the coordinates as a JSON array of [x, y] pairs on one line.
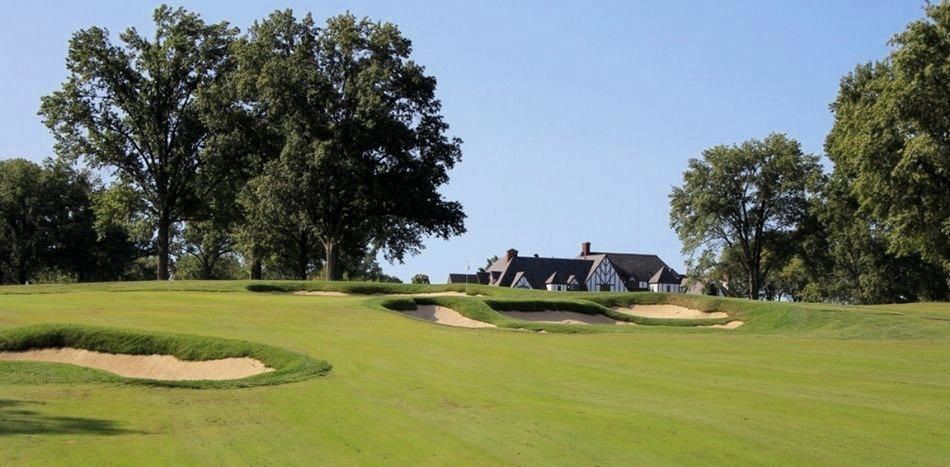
[[762, 219], [289, 151], [49, 228]]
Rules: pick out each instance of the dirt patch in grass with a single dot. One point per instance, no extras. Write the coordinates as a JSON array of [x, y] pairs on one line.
[[157, 367], [669, 312], [562, 317], [447, 316]]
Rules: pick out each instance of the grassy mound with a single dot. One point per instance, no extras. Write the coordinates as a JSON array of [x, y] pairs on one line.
[[365, 288], [288, 366], [759, 317], [353, 287], [487, 310], [592, 307]]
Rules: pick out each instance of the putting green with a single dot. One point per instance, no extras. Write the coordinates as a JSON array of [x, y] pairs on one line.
[[811, 384]]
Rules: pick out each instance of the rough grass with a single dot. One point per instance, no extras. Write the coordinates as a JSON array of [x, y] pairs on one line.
[[288, 366]]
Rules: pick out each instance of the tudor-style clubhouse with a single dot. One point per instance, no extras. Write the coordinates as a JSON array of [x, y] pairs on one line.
[[589, 271]]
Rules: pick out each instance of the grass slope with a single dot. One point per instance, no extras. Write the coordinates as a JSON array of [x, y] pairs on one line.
[[812, 384]]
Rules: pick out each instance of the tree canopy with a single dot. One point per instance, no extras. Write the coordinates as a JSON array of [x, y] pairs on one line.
[[891, 141], [48, 226], [297, 149], [142, 109], [743, 199], [363, 148]]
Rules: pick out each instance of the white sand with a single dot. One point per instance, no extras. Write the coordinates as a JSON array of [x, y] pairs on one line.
[[562, 317], [730, 325], [436, 294], [670, 311], [163, 367], [443, 315], [322, 293]]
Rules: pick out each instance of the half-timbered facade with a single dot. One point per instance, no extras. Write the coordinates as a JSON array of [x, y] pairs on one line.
[[638, 272], [533, 272], [604, 278], [590, 271]]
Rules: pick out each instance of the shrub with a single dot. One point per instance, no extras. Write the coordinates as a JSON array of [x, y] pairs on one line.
[[420, 279]]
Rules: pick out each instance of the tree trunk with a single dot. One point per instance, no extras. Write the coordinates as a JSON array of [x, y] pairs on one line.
[[21, 275], [207, 269], [303, 256], [754, 283], [332, 268], [256, 269], [302, 267], [164, 225]]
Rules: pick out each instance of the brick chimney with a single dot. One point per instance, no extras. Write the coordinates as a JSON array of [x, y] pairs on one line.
[[512, 253], [585, 249]]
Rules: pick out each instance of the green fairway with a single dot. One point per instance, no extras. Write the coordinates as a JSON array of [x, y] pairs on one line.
[[806, 385]]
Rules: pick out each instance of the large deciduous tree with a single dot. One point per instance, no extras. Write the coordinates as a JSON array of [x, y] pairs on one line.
[[208, 243], [75, 247], [145, 109], [363, 147], [48, 226], [744, 199], [276, 224], [892, 138], [24, 207], [855, 265]]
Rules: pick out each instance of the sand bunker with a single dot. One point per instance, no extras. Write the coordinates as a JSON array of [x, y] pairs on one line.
[[325, 293], [730, 325], [322, 293], [442, 294], [562, 317], [670, 312], [443, 315], [162, 367]]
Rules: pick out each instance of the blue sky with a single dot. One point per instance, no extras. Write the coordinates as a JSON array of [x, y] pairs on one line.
[[577, 117]]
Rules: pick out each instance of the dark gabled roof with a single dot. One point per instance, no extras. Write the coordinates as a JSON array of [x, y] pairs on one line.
[[595, 259], [517, 279], [478, 278], [635, 267], [665, 276], [566, 275], [482, 277], [499, 265], [538, 271]]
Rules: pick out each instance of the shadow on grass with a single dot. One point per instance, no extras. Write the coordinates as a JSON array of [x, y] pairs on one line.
[[17, 419]]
